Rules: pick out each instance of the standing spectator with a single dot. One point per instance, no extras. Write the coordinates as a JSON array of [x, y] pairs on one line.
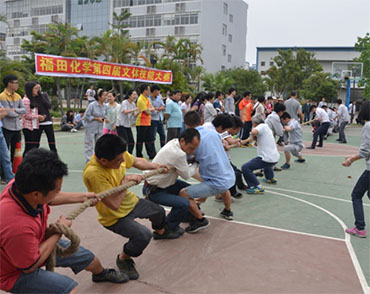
[[67, 123], [11, 123], [363, 183], [219, 102], [268, 106], [259, 108], [90, 94], [157, 116], [343, 119], [112, 111], [245, 107], [306, 110], [352, 110], [322, 102], [322, 116], [143, 123], [185, 107], [46, 125], [126, 119], [173, 116], [4, 152], [95, 116], [229, 101], [293, 107], [209, 111], [31, 119]]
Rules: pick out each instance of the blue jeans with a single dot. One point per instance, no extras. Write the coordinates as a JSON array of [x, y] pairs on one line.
[[362, 185], [257, 163], [170, 197], [5, 158], [42, 281], [342, 136], [157, 126]]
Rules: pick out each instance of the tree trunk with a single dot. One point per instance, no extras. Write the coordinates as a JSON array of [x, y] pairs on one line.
[[68, 93], [82, 92], [59, 94]]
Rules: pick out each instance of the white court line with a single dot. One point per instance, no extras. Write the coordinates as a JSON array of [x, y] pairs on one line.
[[356, 264], [315, 195]]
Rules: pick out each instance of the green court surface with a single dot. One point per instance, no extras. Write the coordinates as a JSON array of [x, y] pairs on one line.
[[312, 199]]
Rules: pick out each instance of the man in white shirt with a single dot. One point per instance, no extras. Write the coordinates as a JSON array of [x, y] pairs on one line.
[[90, 94], [164, 189], [352, 110], [323, 117], [209, 111], [322, 102], [343, 119], [267, 157]]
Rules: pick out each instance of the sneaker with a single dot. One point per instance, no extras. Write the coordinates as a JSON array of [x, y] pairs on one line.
[[168, 234], [127, 266], [300, 160], [197, 225], [285, 166], [255, 190], [237, 195], [270, 181], [110, 275], [179, 230], [227, 214], [356, 232]]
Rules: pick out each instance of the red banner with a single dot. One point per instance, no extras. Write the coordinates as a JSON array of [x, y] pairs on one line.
[[59, 66]]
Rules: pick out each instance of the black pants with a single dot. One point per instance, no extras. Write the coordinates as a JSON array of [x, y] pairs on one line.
[[320, 133], [238, 180], [143, 136], [126, 134], [246, 129], [173, 133], [29, 140], [49, 131], [11, 139], [139, 235]]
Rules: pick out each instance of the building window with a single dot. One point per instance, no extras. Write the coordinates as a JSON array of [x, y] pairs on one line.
[[226, 8], [17, 23], [17, 41], [271, 63], [150, 31], [140, 21], [179, 30], [230, 38], [35, 20], [193, 18], [231, 18], [262, 63], [224, 29], [229, 57], [54, 18], [223, 50], [151, 9], [180, 7], [223, 67]]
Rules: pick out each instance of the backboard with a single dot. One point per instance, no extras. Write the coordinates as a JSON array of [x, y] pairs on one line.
[[344, 70]]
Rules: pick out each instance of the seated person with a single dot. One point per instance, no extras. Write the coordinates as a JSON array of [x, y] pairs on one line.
[[165, 189], [117, 213], [24, 210], [67, 124]]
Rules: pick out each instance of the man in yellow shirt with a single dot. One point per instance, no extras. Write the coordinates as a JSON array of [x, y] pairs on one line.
[[117, 213]]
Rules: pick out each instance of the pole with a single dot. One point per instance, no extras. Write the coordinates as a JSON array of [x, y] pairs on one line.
[[348, 96]]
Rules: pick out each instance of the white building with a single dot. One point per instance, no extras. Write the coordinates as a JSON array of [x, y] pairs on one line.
[[3, 26], [220, 26]]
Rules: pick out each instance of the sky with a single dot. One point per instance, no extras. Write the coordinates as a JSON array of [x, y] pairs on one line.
[[310, 23]]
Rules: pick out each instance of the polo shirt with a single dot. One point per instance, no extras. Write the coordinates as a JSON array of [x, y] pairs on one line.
[[247, 104], [175, 119], [98, 178], [22, 230], [143, 119]]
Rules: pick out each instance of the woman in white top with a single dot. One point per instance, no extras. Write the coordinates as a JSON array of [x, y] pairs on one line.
[[185, 107], [259, 108], [126, 119], [112, 111]]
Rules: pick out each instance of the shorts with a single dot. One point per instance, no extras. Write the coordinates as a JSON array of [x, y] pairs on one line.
[[294, 149], [203, 190]]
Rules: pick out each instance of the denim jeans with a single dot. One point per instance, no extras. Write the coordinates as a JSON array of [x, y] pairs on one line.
[[257, 163], [157, 127], [170, 197], [362, 185], [342, 136], [5, 159]]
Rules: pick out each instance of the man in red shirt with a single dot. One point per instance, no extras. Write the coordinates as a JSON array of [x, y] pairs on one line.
[[245, 108], [24, 210]]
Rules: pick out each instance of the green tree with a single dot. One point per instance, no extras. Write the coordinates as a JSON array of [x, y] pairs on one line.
[[363, 45], [247, 80], [218, 81], [320, 85]]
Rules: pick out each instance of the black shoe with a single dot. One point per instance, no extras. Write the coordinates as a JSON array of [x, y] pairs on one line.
[[310, 147], [227, 214], [319, 146], [300, 160], [197, 225], [258, 174], [127, 266], [277, 168], [242, 187], [179, 230], [110, 275], [168, 234], [237, 195]]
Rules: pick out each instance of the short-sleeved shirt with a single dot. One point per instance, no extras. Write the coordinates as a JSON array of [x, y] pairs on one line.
[[175, 119], [98, 178], [22, 230], [266, 148], [90, 95], [126, 120], [295, 135], [143, 119], [292, 107], [247, 106], [157, 102]]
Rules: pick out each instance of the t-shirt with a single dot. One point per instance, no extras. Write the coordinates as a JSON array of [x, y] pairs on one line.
[[112, 112], [90, 95], [22, 230], [247, 106], [184, 108], [143, 119], [266, 147], [295, 135], [174, 110], [123, 119], [343, 115], [98, 178], [292, 107]]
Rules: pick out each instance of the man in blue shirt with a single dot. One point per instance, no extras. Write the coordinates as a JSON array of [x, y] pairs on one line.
[[173, 115], [4, 152], [157, 116], [214, 167]]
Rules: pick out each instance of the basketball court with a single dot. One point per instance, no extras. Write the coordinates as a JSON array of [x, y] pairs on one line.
[[289, 240]]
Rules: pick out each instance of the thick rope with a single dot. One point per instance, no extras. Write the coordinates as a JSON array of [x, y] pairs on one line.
[[70, 234]]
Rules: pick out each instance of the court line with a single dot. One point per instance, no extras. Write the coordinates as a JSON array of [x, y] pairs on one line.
[[315, 195], [356, 263]]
